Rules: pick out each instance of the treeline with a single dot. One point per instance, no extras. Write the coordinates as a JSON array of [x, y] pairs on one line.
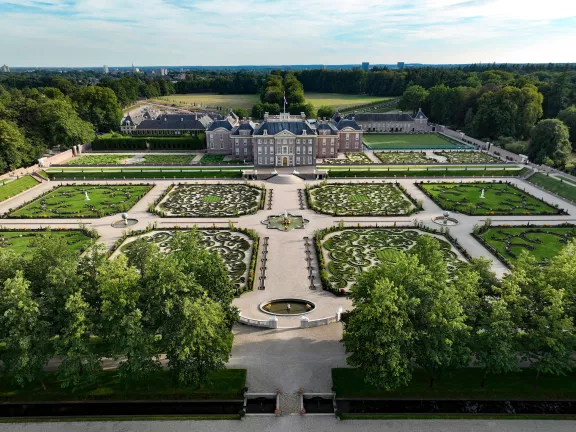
[[280, 85], [131, 309], [129, 89], [224, 83], [414, 313]]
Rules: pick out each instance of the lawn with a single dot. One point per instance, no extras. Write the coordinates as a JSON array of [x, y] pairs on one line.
[[336, 100], [123, 174], [223, 384], [542, 242], [377, 141], [499, 199], [462, 384], [22, 242], [100, 159], [469, 157], [176, 159], [563, 189], [13, 188], [398, 172], [71, 202]]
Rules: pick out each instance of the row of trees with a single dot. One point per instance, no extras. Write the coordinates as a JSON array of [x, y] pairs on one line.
[[414, 313], [130, 309], [280, 85]]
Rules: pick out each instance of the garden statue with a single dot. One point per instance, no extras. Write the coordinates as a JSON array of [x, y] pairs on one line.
[[125, 217], [482, 195], [86, 195]]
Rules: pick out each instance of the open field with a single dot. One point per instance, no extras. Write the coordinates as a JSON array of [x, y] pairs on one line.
[[71, 201], [224, 384], [486, 199], [15, 187], [564, 189], [336, 100], [22, 241], [542, 242], [376, 141], [462, 384]]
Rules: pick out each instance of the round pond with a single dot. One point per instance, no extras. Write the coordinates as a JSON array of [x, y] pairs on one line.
[[287, 307]]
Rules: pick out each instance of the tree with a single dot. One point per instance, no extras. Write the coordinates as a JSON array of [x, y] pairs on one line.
[[413, 98], [550, 141], [196, 338], [241, 112], [27, 340], [99, 106], [80, 364], [62, 125], [568, 117], [561, 274], [326, 111], [122, 323], [12, 146], [380, 337]]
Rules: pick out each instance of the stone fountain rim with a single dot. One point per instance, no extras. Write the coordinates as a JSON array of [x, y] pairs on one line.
[[286, 299]]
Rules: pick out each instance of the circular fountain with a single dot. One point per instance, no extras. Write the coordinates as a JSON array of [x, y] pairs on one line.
[[445, 219], [126, 221], [287, 307]]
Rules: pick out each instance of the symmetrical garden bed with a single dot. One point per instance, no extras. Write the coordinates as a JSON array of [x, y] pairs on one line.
[[468, 157], [70, 201], [507, 242], [99, 159], [237, 248], [406, 157], [345, 253], [23, 241], [356, 158], [499, 199], [361, 199], [209, 200]]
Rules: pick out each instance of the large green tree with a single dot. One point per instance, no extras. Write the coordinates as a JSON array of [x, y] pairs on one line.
[[99, 106], [568, 117], [550, 143], [413, 98], [62, 125], [326, 111], [12, 146]]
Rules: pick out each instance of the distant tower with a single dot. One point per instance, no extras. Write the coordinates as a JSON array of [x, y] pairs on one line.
[[365, 66], [105, 68], [400, 65], [5, 68], [133, 68]]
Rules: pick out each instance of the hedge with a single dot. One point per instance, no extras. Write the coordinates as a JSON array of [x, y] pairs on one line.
[[197, 142]]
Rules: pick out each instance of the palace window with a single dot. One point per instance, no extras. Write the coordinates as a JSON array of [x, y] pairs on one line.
[[259, 161], [259, 150]]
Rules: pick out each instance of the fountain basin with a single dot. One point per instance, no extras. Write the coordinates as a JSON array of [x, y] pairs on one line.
[[287, 307], [124, 223]]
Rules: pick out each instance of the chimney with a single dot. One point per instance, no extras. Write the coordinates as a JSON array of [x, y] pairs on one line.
[[303, 115], [265, 116], [181, 118], [165, 118]]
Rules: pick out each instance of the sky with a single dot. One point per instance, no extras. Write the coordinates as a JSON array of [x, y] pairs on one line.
[[84, 33]]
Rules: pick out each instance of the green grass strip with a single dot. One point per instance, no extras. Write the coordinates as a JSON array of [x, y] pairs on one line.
[[128, 175], [224, 384], [15, 187], [564, 189], [424, 173], [462, 384]]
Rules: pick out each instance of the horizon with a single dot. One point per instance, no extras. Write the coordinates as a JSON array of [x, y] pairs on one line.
[[81, 34]]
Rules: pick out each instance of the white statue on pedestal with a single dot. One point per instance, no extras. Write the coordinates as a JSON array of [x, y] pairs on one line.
[[482, 195], [86, 195]]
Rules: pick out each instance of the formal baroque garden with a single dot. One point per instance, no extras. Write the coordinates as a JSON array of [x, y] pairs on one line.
[[395, 141], [210, 200], [235, 247], [82, 201], [486, 199], [468, 157], [361, 199], [24, 241], [131, 159], [404, 157], [346, 253], [354, 158], [507, 242]]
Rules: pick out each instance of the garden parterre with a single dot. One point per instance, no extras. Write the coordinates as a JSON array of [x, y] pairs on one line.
[[71, 202], [211, 200], [361, 199], [235, 248], [407, 157], [543, 242], [468, 157], [351, 158], [349, 252], [499, 199], [99, 159]]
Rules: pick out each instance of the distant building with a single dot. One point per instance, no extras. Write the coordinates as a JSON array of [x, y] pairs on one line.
[[181, 76], [365, 66], [377, 122], [105, 69], [163, 72], [5, 68], [147, 122], [400, 65]]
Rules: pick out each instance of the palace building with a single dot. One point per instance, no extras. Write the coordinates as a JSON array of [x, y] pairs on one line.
[[384, 122]]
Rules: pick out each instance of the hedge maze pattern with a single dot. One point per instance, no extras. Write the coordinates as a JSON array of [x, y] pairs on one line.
[[234, 248], [348, 253], [351, 158], [211, 200], [404, 157], [70, 201], [468, 157], [360, 199], [499, 199]]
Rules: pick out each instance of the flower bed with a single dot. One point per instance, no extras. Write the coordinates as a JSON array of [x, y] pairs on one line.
[[468, 157], [395, 157]]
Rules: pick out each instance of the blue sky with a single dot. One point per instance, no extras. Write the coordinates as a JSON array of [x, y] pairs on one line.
[[237, 32]]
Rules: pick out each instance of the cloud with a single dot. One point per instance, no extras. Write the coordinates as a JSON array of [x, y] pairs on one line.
[[182, 32]]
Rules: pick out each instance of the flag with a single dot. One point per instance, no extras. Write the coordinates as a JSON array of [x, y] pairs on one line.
[[285, 101]]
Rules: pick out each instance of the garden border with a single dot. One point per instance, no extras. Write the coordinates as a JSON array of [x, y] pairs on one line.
[[8, 214], [560, 212], [320, 234], [152, 208], [418, 205]]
